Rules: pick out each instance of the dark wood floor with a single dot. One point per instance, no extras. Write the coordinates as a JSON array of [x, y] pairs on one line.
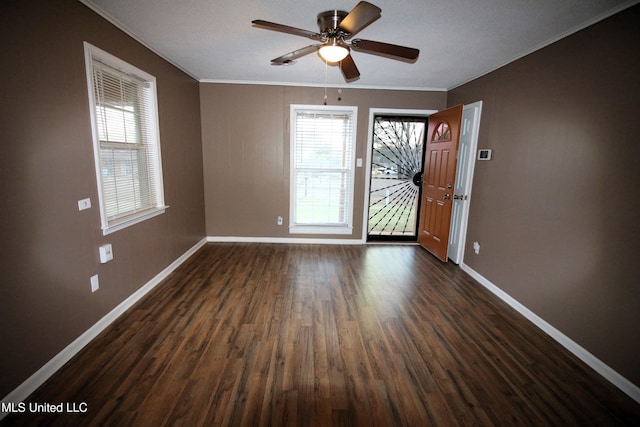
[[264, 334]]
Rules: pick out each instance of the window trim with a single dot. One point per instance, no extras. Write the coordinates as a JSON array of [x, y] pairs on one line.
[[112, 225], [339, 229]]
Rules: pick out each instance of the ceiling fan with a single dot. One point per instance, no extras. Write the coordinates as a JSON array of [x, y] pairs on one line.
[[337, 27]]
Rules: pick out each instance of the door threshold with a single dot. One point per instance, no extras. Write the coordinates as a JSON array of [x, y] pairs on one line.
[[391, 242]]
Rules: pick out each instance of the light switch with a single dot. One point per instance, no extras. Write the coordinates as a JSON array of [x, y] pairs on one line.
[[106, 253], [95, 283]]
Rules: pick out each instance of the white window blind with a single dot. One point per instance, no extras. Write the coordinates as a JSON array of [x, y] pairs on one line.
[[126, 142], [322, 164]]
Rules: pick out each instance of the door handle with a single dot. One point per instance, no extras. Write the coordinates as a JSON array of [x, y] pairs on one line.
[[460, 197], [446, 197]]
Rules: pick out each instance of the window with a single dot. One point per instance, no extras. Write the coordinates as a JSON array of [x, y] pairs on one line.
[[322, 173], [125, 140]]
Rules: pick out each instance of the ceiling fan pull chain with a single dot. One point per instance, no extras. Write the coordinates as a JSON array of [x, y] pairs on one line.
[[326, 68], [340, 89]]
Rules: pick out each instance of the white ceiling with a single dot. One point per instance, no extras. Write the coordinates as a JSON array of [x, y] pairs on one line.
[[214, 40]]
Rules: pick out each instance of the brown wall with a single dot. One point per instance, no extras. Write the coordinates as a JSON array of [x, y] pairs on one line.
[[556, 211], [246, 151], [48, 248]]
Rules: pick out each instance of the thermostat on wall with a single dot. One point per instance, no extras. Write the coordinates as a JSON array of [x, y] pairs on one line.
[[484, 154]]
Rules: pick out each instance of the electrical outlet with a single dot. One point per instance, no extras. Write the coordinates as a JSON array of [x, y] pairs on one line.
[[106, 253], [95, 285], [84, 204], [476, 247], [279, 220]]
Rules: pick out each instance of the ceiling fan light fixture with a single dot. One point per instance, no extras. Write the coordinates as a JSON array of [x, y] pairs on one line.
[[333, 52]]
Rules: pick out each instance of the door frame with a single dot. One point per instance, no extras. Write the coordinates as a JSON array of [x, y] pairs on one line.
[[471, 161], [367, 184], [469, 164]]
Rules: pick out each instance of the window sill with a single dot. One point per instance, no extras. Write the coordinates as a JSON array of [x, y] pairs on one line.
[[320, 229], [128, 221]]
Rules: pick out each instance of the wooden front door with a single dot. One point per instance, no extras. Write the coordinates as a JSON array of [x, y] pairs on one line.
[[439, 179]]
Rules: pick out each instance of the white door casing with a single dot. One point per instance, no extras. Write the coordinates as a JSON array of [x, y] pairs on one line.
[[464, 179]]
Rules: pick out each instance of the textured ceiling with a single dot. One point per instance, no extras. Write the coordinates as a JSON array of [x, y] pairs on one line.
[[214, 40]]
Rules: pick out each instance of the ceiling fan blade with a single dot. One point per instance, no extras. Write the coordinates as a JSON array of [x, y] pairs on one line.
[[287, 29], [288, 57], [385, 48], [349, 69], [360, 16]]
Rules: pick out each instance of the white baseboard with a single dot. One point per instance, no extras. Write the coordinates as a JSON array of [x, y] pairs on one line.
[[294, 240], [32, 383], [596, 364]]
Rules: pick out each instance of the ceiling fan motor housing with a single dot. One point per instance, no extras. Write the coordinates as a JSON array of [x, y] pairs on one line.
[[328, 21]]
